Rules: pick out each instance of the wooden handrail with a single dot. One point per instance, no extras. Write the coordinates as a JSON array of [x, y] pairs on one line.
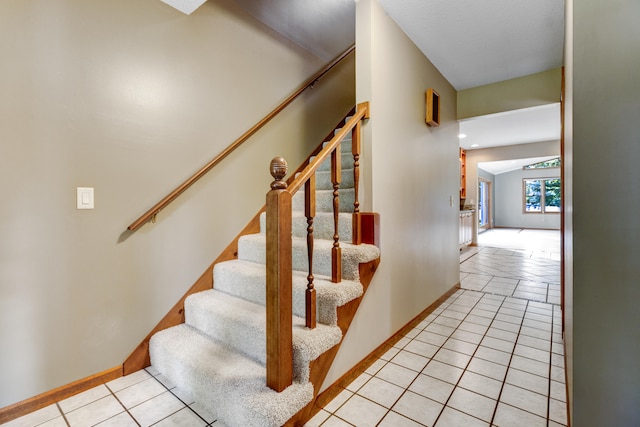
[[151, 213], [279, 361]]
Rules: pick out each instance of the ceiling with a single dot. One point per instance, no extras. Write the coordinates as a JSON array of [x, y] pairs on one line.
[[522, 126], [474, 43], [502, 166]]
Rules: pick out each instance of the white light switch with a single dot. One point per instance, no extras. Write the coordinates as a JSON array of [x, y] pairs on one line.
[[85, 198]]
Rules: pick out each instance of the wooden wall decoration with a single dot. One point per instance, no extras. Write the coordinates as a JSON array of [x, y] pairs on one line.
[[433, 107]]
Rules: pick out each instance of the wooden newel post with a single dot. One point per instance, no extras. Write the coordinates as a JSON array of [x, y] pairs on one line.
[[279, 302]]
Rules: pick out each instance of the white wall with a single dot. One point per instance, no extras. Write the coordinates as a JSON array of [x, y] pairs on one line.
[[413, 170], [131, 98], [509, 200]]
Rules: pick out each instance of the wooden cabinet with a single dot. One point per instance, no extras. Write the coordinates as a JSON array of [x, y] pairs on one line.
[[466, 228], [463, 174]]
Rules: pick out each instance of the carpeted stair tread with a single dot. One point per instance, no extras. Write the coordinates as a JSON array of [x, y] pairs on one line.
[[322, 225], [252, 248], [224, 382], [218, 355], [241, 325], [247, 280]]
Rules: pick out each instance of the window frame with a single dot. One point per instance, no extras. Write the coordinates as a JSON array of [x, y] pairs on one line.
[[543, 192]]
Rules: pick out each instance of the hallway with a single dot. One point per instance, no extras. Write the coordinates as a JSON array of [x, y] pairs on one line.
[[491, 355]]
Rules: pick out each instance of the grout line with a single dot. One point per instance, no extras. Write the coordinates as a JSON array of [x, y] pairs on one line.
[[183, 402], [64, 417], [464, 370], [121, 404], [495, 410]]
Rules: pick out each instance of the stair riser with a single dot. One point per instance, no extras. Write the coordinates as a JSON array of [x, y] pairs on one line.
[[226, 319], [253, 250], [252, 287], [345, 146], [322, 225], [238, 397], [323, 179], [324, 200]]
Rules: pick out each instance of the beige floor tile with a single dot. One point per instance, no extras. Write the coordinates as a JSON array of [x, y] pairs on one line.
[[472, 404], [393, 419], [508, 416], [528, 381], [84, 398], [95, 412], [451, 357], [451, 417], [410, 360], [318, 419], [524, 399], [432, 388], [421, 348], [443, 371], [360, 411], [381, 392], [481, 384], [397, 374], [156, 409], [493, 355], [487, 368], [35, 418], [418, 408]]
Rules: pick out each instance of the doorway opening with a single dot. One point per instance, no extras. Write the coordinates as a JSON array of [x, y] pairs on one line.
[[484, 205]]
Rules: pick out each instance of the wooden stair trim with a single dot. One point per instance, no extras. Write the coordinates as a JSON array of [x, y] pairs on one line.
[[320, 367], [139, 358], [40, 401]]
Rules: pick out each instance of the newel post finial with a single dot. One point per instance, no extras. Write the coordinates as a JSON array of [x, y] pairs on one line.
[[278, 169]]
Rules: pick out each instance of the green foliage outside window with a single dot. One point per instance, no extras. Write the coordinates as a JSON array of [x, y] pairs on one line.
[[553, 163], [542, 195]]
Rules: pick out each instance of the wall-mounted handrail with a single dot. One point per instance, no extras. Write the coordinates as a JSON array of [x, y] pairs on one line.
[[279, 246], [151, 213]]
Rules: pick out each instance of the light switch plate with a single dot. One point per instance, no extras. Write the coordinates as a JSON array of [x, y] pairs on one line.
[[84, 198]]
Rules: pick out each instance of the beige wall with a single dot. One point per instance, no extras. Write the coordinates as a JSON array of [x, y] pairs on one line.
[[606, 254], [130, 97], [414, 175], [522, 92]]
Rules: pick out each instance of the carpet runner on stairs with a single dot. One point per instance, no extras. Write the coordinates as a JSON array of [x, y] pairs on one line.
[[218, 354]]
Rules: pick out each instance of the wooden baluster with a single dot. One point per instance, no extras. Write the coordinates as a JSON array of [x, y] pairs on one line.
[[336, 251], [355, 149], [310, 213], [279, 276]]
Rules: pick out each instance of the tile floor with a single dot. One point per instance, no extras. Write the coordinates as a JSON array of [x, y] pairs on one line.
[[144, 398], [491, 355]]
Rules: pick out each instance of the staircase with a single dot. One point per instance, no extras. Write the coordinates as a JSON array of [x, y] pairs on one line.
[[218, 355]]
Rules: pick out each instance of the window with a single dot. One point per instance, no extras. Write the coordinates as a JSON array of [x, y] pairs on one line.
[[542, 195], [553, 163]]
